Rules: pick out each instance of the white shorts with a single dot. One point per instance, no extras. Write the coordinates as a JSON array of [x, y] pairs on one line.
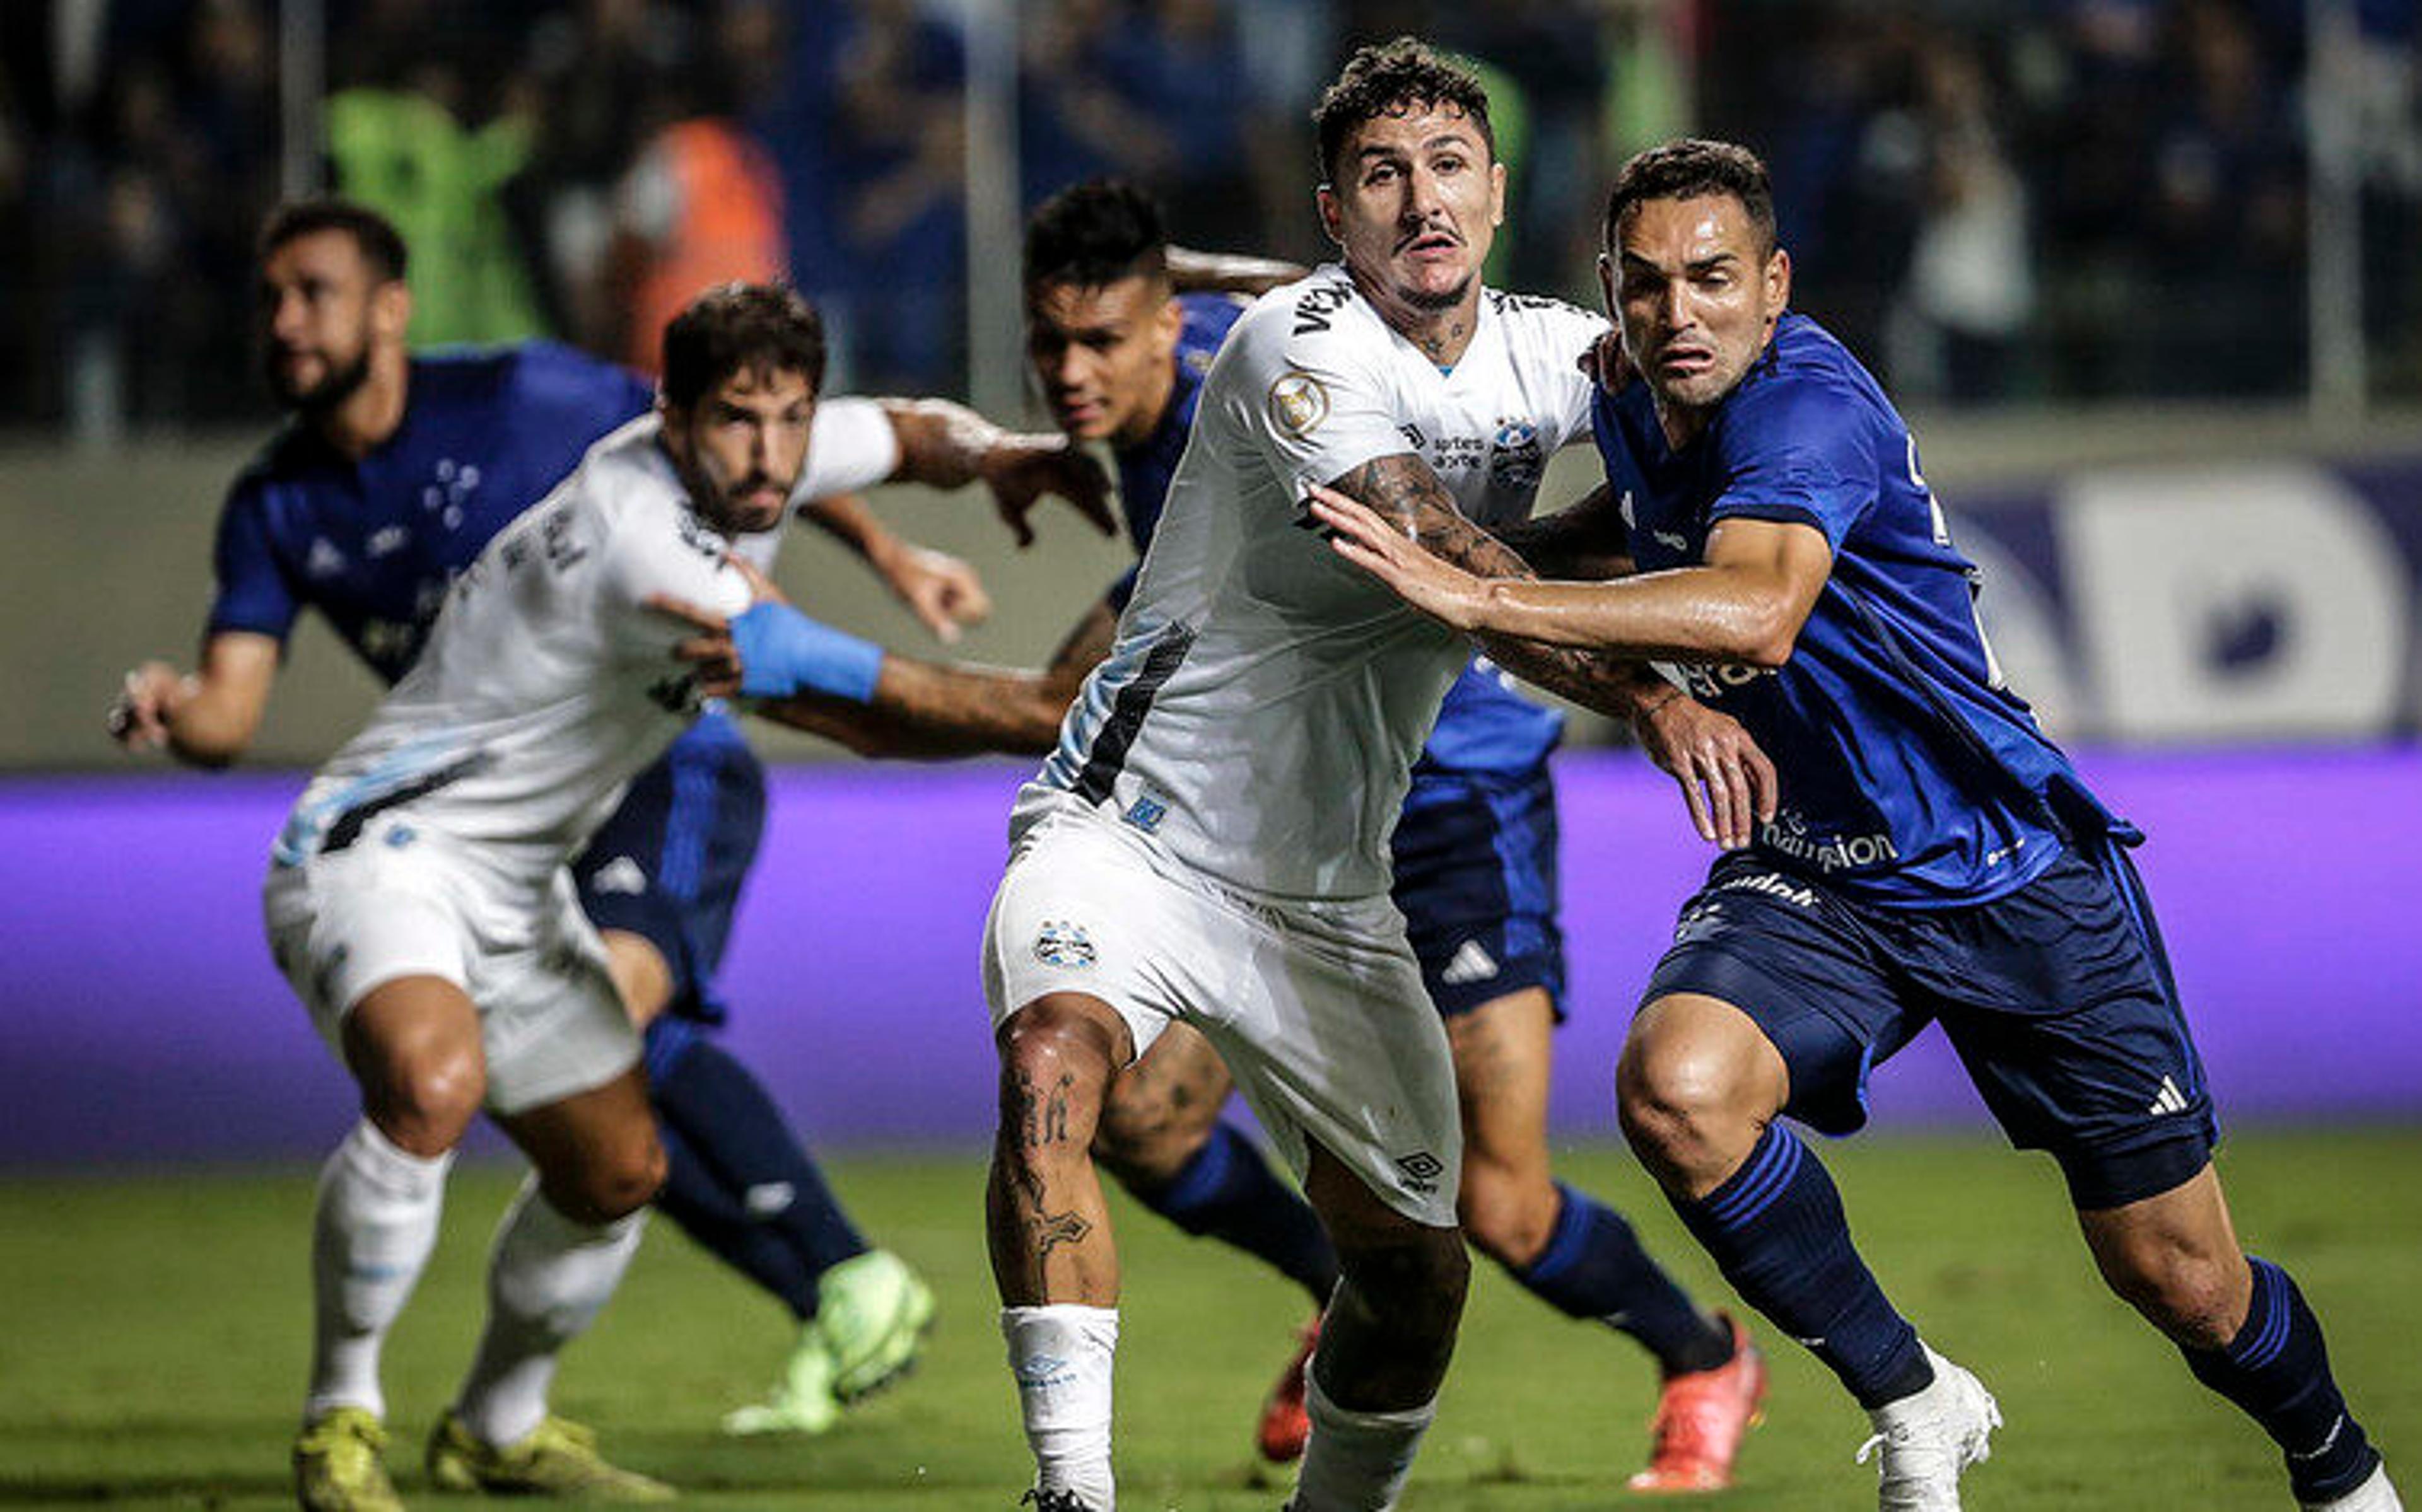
[[1317, 1007], [399, 903]]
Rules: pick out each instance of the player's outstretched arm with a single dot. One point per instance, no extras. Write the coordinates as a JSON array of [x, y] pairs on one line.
[[907, 708], [947, 446], [1727, 782], [943, 592], [206, 718], [1227, 272]]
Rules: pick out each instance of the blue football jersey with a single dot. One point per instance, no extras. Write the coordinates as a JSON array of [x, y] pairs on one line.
[[1911, 776], [373, 544], [1483, 726]]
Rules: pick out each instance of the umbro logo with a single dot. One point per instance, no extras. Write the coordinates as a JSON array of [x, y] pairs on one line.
[[1469, 963], [2169, 1100], [1421, 1171], [621, 875]]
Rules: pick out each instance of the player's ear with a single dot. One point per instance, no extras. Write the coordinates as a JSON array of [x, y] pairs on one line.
[[1778, 280], [392, 309], [1326, 198], [1168, 324], [1496, 192]]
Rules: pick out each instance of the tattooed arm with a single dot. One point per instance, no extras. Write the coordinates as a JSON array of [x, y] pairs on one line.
[[1725, 779]]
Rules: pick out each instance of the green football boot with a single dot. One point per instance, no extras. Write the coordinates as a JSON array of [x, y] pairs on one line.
[[802, 1402], [558, 1458], [872, 1312], [338, 1466]]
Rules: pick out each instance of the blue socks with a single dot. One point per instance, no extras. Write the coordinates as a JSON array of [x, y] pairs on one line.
[[1592, 1266], [1228, 1192], [2277, 1372], [737, 1180], [1775, 1228]]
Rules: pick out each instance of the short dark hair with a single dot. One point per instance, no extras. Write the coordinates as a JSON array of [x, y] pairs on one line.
[[1688, 169], [737, 327], [1379, 81], [1095, 233], [380, 243]]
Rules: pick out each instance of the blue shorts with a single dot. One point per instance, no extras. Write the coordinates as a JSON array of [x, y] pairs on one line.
[[667, 865], [2058, 999], [1476, 883]]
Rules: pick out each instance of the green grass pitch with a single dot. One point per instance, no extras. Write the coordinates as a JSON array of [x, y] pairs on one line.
[[154, 1343]]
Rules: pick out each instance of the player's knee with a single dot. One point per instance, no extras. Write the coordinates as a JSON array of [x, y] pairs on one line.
[[1143, 1139], [618, 1178], [1413, 1282], [2197, 1301], [1506, 1214], [424, 1101], [1674, 1095]]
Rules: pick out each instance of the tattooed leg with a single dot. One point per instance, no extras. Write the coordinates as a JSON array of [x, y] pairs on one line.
[[1049, 1231]]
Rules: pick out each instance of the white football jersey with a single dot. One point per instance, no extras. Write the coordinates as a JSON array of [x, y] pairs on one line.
[[546, 683], [1261, 710]]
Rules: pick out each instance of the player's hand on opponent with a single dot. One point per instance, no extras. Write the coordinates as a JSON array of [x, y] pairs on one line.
[[1727, 780], [1437, 588], [713, 658], [1021, 469], [138, 716], [943, 592], [1607, 363]]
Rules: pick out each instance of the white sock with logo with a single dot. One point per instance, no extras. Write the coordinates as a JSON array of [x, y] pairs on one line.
[[1357, 1461], [371, 1234], [549, 1278], [1061, 1356]]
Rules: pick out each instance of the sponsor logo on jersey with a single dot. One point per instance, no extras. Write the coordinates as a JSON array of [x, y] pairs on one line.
[[1146, 812], [2168, 1101], [1317, 303], [1469, 963], [1063, 944], [621, 875], [1771, 884], [1421, 1171], [1787, 834], [1709, 683], [1298, 403]]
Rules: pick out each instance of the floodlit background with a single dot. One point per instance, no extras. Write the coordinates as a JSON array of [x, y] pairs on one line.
[[2146, 274]]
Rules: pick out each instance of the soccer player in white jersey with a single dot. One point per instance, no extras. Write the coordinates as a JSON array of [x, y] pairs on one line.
[[1209, 843], [419, 900]]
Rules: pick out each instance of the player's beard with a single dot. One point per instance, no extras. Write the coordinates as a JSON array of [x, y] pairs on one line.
[[343, 380], [1431, 303]]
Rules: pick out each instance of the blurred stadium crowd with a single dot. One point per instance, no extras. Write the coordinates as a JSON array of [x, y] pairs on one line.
[[1992, 200]]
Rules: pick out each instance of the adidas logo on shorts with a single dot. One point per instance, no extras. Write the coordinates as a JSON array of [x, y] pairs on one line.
[[1469, 963]]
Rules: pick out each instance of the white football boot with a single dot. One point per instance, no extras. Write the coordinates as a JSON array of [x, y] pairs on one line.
[[1926, 1439], [2374, 1495]]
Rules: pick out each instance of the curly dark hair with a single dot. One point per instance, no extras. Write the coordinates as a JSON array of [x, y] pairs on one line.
[[1095, 233], [1384, 80], [1688, 169], [382, 246], [737, 327]]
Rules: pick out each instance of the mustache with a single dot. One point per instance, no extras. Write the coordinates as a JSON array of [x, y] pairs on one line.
[[1420, 231]]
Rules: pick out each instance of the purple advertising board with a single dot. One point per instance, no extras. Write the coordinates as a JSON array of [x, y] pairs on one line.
[[141, 1021]]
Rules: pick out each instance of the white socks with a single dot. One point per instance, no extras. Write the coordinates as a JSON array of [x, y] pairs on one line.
[[1357, 1461], [371, 1234], [1061, 1356], [547, 1280]]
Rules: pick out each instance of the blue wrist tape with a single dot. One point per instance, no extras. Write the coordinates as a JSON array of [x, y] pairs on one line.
[[783, 652]]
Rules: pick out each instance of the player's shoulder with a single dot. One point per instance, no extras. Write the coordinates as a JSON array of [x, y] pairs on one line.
[[289, 456], [1540, 327], [1805, 386], [543, 369], [1319, 323]]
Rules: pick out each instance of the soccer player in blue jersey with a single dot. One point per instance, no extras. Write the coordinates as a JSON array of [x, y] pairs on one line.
[[395, 473], [1934, 858], [1119, 360]]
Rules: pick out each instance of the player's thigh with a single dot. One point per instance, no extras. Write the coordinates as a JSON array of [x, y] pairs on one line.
[[1319, 1013], [1164, 1107], [373, 927], [553, 1021], [1760, 945], [2059, 1004], [595, 1152]]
